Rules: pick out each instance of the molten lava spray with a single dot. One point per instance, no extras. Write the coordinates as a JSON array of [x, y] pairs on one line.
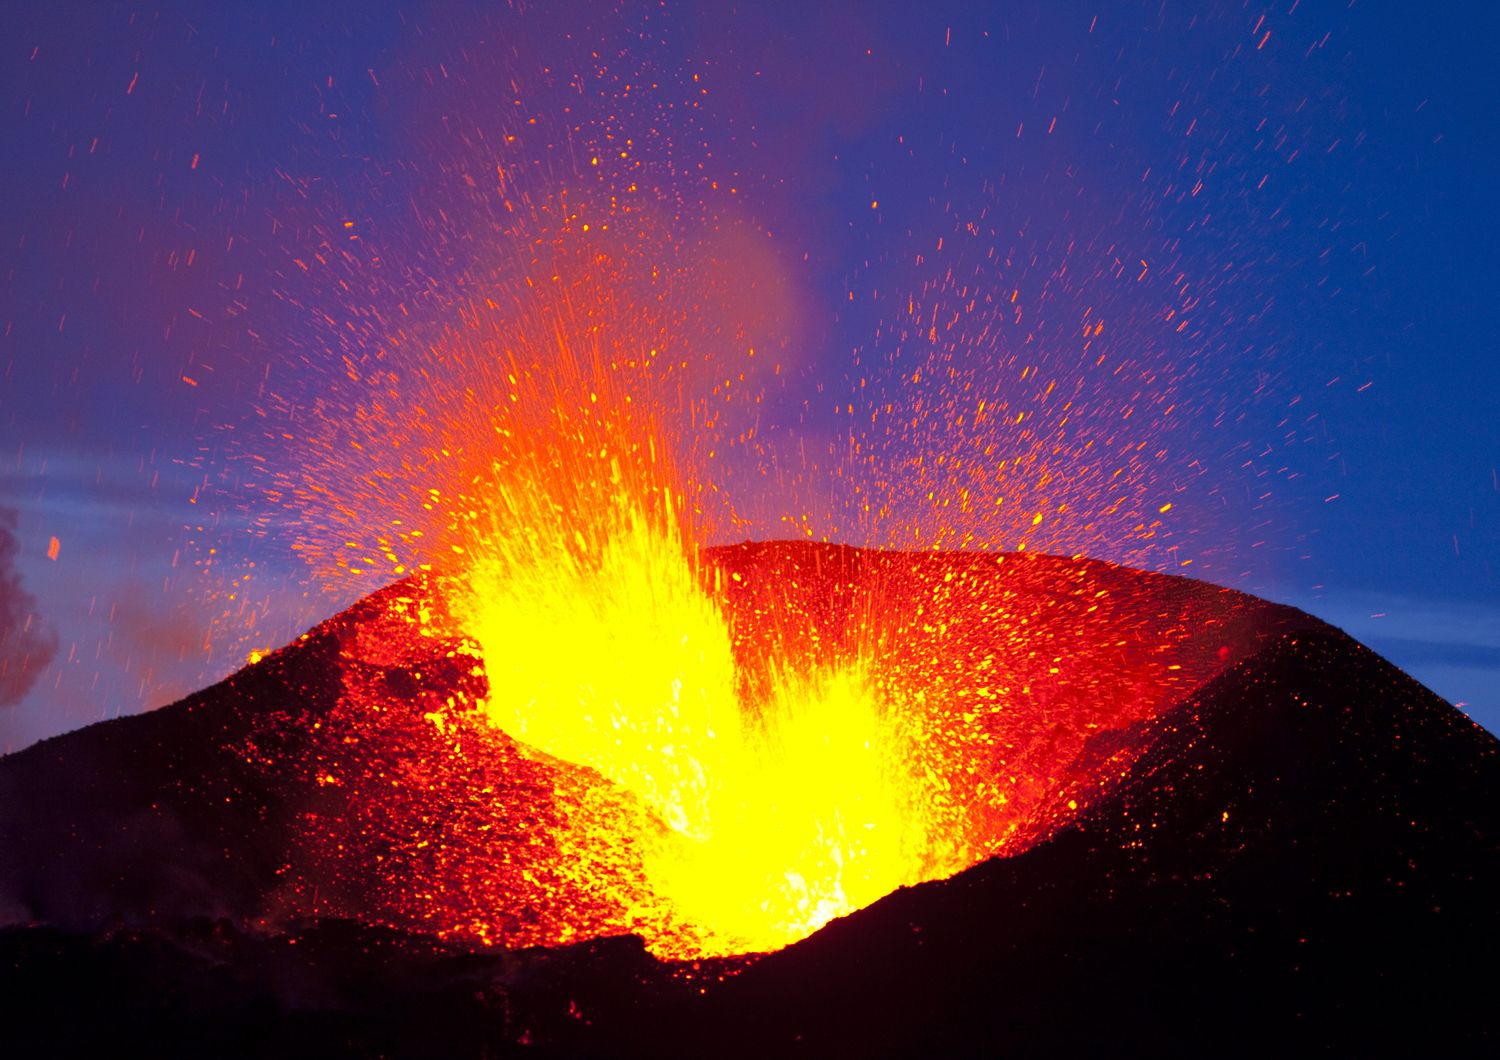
[[786, 798], [783, 811], [718, 752]]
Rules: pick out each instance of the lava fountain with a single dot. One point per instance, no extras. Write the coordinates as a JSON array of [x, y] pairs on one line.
[[783, 789], [606, 728], [570, 718], [786, 793]]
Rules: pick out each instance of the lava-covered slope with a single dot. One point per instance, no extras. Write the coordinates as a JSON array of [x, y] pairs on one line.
[[1291, 845], [313, 784]]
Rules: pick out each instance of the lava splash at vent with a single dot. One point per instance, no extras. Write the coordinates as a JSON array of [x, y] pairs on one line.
[[772, 785], [615, 731], [788, 792], [619, 730], [684, 768]]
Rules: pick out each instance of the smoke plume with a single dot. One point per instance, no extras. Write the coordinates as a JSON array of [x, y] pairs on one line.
[[26, 644]]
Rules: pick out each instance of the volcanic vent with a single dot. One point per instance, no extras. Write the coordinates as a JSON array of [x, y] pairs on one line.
[[886, 718], [1211, 813]]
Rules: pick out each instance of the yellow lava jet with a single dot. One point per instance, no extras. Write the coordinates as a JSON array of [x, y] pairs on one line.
[[603, 648]]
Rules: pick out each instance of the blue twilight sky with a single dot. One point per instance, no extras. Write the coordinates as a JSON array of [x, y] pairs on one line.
[[1310, 182]]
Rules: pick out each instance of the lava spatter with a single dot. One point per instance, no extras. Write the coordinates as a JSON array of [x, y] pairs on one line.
[[838, 723]]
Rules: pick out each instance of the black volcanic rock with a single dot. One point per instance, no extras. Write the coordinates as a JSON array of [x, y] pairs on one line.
[[1305, 862], [138, 819], [1304, 859]]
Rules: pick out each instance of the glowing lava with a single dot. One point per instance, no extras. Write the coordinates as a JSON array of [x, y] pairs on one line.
[[783, 812], [602, 729], [573, 720], [786, 795]]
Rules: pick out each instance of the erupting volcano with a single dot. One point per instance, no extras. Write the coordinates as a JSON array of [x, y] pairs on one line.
[[791, 770], [833, 724], [759, 573], [1164, 789], [603, 727]]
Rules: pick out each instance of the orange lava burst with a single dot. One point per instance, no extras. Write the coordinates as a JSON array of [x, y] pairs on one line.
[[787, 800], [742, 756], [580, 724], [570, 719]]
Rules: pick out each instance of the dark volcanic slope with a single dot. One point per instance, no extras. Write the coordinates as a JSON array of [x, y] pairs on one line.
[[1308, 858], [1304, 859]]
